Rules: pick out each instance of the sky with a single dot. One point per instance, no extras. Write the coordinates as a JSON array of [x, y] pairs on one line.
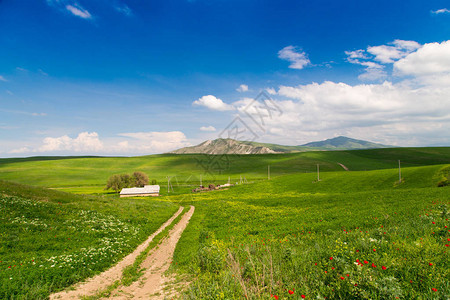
[[137, 77]]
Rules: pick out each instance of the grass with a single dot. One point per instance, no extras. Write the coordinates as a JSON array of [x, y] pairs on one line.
[[88, 175], [279, 236], [256, 240], [50, 240]]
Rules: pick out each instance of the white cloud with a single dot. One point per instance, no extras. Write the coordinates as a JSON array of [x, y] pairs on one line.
[[84, 142], [296, 57], [3, 79], [384, 54], [213, 103], [242, 88], [441, 11], [389, 54], [403, 113], [152, 142], [123, 143], [432, 58], [271, 91], [78, 11], [208, 128]]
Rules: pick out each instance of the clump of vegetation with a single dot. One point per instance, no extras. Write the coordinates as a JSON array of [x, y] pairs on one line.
[[119, 181]]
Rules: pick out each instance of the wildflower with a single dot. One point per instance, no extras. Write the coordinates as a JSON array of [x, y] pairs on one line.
[[342, 278], [290, 292], [374, 250], [433, 222], [366, 262], [434, 290], [383, 267], [303, 296], [331, 258], [430, 264], [373, 265], [276, 297]]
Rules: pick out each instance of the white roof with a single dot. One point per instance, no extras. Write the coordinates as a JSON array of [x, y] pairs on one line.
[[148, 189]]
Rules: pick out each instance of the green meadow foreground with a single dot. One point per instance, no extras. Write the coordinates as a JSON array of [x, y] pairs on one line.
[[351, 235]]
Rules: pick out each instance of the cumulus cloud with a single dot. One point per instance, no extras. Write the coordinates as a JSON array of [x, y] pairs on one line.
[[441, 11], [123, 143], [296, 57], [432, 58], [208, 128], [152, 142], [242, 88], [213, 103], [387, 54], [375, 57], [84, 142]]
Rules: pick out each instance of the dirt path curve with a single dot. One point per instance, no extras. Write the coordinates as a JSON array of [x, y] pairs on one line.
[[151, 284], [108, 277], [343, 166]]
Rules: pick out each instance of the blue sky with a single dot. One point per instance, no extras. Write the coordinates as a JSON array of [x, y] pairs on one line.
[[130, 77]]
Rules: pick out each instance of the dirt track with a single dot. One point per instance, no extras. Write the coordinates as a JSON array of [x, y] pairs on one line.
[[151, 284], [157, 263]]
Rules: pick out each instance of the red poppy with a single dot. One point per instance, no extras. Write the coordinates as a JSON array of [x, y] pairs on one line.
[[276, 297], [290, 292], [434, 290], [303, 296], [366, 262], [383, 267], [342, 278], [373, 265], [374, 250], [331, 258], [433, 222]]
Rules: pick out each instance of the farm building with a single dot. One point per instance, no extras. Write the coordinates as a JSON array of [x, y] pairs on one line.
[[148, 190]]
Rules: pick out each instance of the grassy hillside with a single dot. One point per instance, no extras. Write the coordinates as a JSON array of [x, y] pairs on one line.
[[353, 235], [89, 175], [50, 240]]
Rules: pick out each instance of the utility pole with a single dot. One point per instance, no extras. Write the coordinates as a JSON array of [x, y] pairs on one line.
[[168, 184], [201, 181], [318, 177], [268, 172], [399, 172]]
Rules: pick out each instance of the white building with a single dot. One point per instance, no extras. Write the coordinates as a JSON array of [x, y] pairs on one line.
[[148, 190]]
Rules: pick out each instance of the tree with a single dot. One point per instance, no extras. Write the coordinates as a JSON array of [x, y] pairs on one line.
[[153, 181], [119, 181], [140, 179]]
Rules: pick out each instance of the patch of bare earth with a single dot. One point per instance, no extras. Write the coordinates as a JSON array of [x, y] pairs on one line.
[[99, 282], [153, 282], [343, 166]]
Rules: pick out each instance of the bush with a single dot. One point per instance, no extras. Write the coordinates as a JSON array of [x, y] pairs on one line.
[[118, 182], [140, 179]]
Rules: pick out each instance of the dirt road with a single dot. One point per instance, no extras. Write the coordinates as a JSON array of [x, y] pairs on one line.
[[108, 277], [151, 284]]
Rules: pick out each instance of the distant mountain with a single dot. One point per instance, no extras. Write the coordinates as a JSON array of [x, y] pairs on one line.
[[344, 143], [230, 146], [225, 146]]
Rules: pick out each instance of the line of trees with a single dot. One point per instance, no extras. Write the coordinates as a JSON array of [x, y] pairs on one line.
[[119, 181]]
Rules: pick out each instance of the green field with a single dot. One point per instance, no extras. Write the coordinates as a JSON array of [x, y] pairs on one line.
[[88, 175], [265, 238]]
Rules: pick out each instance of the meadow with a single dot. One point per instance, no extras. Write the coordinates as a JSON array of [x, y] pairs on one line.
[[352, 235], [50, 240]]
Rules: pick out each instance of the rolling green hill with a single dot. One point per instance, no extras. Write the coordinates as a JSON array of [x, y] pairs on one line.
[[89, 174]]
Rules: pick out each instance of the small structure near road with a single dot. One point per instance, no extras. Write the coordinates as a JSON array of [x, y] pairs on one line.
[[147, 190], [211, 187]]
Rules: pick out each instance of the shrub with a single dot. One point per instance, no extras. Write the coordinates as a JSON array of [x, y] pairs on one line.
[[140, 179]]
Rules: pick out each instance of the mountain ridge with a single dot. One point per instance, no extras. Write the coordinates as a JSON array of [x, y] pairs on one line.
[[230, 146]]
